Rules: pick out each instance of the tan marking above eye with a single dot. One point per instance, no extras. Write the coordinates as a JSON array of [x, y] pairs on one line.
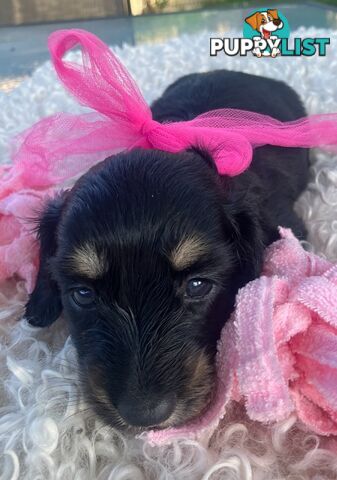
[[85, 260], [187, 252]]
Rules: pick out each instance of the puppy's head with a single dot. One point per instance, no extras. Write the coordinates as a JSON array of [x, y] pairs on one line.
[[265, 22], [144, 256]]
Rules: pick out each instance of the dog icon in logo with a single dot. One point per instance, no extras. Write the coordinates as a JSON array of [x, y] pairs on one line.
[[265, 23]]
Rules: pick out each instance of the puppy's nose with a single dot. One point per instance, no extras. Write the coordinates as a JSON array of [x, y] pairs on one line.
[[277, 22], [146, 413]]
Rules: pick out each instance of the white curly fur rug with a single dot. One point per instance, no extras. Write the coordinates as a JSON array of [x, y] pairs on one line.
[[47, 431]]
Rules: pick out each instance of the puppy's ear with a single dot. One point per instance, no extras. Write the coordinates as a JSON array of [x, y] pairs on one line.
[[253, 20], [249, 241], [244, 228], [273, 13], [44, 304]]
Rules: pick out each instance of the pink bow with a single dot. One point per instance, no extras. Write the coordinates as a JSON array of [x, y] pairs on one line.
[[62, 146]]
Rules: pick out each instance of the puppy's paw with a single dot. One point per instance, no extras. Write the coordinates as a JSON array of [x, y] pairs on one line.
[[257, 52], [275, 52]]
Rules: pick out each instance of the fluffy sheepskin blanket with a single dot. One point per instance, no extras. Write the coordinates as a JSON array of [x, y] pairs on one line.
[[47, 431]]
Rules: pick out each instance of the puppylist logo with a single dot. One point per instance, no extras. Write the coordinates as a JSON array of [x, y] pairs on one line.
[[266, 34]]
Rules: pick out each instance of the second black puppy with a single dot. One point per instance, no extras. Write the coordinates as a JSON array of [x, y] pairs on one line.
[[146, 252]]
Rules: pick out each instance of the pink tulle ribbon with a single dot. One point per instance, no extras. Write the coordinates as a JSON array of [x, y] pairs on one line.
[[61, 146]]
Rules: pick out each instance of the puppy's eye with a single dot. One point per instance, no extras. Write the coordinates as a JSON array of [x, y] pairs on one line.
[[263, 21], [83, 296], [198, 287]]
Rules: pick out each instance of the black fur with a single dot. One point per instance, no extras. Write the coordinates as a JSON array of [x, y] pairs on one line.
[[146, 351]]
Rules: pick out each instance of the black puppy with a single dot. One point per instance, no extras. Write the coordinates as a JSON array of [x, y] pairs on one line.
[[145, 254]]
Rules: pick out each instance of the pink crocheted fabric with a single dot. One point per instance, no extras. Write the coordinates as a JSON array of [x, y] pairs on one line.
[[278, 352]]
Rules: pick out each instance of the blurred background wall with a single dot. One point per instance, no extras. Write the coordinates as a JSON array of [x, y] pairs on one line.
[[18, 12]]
